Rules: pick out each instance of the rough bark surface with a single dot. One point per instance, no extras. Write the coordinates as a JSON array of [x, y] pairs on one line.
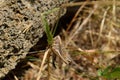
[[21, 28]]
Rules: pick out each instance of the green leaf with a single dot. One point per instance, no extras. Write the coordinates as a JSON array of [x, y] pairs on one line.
[[115, 73], [110, 73]]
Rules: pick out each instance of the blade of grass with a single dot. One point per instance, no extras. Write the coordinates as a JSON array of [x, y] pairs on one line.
[[47, 29], [54, 30], [48, 32]]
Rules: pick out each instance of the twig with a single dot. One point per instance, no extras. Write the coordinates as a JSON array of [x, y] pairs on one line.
[[44, 58]]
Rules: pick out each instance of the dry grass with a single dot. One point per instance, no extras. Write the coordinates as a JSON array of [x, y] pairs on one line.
[[92, 44]]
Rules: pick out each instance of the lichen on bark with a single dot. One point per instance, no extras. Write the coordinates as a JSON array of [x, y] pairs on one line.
[[21, 28]]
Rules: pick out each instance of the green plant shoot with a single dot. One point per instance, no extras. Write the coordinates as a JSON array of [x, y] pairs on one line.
[[48, 32]]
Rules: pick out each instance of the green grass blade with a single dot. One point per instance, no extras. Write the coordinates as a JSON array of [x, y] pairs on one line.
[[47, 30]]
